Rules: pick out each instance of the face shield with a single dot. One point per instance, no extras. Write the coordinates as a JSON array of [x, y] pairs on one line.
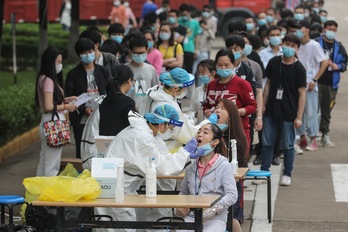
[[170, 137], [183, 86]]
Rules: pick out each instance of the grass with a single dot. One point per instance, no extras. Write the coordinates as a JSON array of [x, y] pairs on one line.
[[7, 78]]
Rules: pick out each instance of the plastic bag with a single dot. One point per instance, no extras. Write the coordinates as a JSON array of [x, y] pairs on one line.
[[63, 188]]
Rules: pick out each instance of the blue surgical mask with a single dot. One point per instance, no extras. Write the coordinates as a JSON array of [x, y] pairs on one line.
[[249, 26], [117, 38], [87, 58], [306, 14], [237, 55], [205, 14], [316, 10], [269, 18], [164, 36], [299, 16], [323, 19], [247, 50], [171, 20], [299, 33], [330, 34], [224, 73], [184, 18], [153, 28], [262, 22], [130, 91], [205, 79], [222, 126], [206, 148], [139, 58], [282, 34], [149, 44], [288, 52], [275, 40]]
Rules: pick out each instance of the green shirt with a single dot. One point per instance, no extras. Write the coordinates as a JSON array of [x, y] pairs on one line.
[[193, 29]]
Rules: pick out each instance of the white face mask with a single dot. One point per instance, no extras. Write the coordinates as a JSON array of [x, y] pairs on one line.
[[59, 68], [182, 94]]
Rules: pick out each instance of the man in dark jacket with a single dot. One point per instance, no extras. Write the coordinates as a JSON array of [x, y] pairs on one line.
[[105, 59], [85, 77]]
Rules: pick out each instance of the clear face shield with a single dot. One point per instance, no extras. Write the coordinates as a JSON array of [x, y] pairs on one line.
[[170, 137]]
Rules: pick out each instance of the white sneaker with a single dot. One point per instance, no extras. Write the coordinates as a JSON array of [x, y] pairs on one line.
[[298, 150], [285, 181], [326, 142]]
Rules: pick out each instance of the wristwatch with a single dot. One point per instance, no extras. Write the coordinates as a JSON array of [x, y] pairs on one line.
[[314, 80]]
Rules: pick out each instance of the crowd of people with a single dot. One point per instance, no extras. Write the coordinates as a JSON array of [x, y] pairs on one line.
[[156, 89]]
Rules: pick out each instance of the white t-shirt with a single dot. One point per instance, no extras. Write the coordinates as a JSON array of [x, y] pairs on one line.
[[311, 55]]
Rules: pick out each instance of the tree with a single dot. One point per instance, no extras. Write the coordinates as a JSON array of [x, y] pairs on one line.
[[2, 4], [74, 30], [43, 41]]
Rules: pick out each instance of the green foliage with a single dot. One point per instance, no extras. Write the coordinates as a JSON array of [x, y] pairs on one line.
[[18, 112], [27, 41]]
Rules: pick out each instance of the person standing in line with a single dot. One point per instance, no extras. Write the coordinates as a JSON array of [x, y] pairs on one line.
[[179, 31], [65, 15], [192, 39], [118, 14], [313, 59], [284, 101], [49, 96], [105, 59], [329, 82], [154, 56], [148, 7], [145, 75], [85, 77], [132, 20]]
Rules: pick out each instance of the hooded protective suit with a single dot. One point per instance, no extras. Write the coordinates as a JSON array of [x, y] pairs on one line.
[[136, 144], [88, 147], [156, 96]]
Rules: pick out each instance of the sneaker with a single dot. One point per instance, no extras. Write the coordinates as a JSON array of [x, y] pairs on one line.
[[275, 161], [313, 146], [285, 181], [257, 160], [325, 141], [298, 150], [303, 141], [257, 182]]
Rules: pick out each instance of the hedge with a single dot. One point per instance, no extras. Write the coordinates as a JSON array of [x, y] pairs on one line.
[[18, 112], [27, 41]]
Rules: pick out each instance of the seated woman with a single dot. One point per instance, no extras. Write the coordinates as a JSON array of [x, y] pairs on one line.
[[211, 173]]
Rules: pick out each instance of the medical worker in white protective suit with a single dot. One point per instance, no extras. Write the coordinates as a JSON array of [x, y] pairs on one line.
[[174, 86], [136, 144]]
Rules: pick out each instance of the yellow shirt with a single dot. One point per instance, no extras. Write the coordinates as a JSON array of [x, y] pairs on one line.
[[168, 52]]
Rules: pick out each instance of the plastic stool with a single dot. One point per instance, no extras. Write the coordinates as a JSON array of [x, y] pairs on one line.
[[10, 201], [263, 175]]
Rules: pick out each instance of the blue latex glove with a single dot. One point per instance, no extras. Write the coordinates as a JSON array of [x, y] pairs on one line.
[[191, 146], [196, 154], [213, 118]]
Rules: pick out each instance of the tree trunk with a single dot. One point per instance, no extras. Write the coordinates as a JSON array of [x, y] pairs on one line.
[[74, 31], [43, 41], [2, 4]]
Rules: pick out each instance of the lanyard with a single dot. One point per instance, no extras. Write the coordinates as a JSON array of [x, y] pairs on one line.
[[200, 181], [282, 80]]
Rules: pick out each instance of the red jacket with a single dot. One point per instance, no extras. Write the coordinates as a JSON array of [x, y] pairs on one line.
[[237, 90]]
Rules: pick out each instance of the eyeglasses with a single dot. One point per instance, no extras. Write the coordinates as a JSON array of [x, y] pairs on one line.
[[138, 53], [133, 82]]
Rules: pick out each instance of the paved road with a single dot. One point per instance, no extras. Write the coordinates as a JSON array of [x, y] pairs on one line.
[[311, 203]]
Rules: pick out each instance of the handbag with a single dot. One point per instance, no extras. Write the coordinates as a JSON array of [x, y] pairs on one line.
[[57, 132]]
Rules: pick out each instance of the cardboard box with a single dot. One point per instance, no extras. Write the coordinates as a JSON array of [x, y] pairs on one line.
[[104, 170]]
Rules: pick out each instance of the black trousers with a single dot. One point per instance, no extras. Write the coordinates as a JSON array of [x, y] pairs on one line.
[[189, 58], [78, 130]]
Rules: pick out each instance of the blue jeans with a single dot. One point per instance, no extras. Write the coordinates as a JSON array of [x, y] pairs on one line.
[[310, 116], [269, 134]]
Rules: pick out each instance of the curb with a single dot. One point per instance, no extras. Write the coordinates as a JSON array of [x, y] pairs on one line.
[[19, 143]]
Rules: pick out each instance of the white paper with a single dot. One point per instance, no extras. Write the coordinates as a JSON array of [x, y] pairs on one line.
[[83, 98]]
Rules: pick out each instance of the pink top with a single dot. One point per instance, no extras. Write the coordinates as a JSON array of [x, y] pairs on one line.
[[202, 169], [155, 58], [46, 85]]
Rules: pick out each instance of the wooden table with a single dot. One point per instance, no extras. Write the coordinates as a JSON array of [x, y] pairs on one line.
[[195, 202]]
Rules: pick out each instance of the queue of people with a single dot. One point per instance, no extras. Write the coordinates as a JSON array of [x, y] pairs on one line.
[[161, 94]]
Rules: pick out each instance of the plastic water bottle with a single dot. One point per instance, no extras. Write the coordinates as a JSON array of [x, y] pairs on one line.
[[119, 191], [234, 155], [151, 183]]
